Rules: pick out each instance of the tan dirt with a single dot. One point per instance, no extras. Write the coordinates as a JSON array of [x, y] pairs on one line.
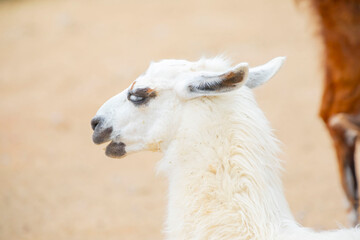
[[60, 60]]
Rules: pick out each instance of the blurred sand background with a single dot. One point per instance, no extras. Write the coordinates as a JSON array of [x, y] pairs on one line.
[[60, 60]]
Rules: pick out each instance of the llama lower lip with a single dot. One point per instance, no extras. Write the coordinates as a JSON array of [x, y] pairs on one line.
[[115, 150]]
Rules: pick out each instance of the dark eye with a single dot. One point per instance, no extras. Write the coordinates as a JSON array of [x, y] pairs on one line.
[[136, 99], [141, 96]]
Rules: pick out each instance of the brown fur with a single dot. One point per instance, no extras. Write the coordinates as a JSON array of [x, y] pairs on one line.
[[340, 31], [339, 25]]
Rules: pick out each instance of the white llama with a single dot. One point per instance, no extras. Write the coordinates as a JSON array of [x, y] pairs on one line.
[[219, 151]]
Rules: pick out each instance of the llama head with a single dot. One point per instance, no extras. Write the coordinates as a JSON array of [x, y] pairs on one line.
[[146, 115]]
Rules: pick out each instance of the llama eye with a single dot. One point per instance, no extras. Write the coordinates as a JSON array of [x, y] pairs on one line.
[[140, 96], [135, 99]]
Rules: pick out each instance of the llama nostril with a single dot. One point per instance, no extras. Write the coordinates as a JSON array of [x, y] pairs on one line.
[[94, 122]]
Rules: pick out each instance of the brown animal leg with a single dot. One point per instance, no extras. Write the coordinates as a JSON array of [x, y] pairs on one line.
[[344, 129]]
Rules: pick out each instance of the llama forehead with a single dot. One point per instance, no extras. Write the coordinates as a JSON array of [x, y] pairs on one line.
[[166, 73]]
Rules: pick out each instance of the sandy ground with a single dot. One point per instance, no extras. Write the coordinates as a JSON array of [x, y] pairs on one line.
[[60, 60]]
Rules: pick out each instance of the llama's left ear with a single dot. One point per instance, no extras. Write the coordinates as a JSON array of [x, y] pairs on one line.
[[210, 84], [261, 74]]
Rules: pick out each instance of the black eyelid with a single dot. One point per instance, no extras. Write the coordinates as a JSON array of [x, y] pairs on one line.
[[139, 102], [143, 93], [139, 97], [130, 93]]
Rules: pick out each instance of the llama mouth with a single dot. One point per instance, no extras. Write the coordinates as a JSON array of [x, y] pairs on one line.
[[115, 150]]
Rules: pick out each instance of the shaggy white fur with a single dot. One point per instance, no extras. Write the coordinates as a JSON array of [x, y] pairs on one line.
[[219, 151]]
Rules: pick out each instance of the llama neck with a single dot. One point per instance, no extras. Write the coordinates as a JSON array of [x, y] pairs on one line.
[[223, 174]]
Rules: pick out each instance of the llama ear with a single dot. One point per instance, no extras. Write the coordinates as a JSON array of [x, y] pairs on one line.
[[261, 74], [210, 84]]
